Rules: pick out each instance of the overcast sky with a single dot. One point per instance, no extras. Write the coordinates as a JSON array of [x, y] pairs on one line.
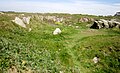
[[94, 7]]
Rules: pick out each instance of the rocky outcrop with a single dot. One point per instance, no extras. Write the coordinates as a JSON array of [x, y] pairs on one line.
[[105, 24]]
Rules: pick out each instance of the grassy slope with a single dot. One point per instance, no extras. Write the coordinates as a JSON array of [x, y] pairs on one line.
[[70, 52]]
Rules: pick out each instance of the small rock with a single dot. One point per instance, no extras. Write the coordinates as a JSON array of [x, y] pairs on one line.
[[23, 62], [22, 14], [69, 25], [13, 69], [61, 71], [30, 29], [57, 31], [76, 26], [95, 59], [19, 22]]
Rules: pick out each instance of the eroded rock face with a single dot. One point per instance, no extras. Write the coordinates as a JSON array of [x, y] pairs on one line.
[[57, 31], [105, 24]]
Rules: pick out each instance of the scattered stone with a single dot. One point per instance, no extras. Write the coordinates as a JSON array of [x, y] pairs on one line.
[[26, 20], [57, 31], [59, 49], [30, 29], [58, 19], [69, 25], [22, 22], [77, 27], [13, 69], [88, 25], [19, 22], [61, 72], [85, 19], [23, 62], [22, 14], [41, 17], [1, 13], [95, 59], [54, 18], [105, 22]]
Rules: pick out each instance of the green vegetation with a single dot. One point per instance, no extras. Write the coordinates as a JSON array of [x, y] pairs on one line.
[[72, 51]]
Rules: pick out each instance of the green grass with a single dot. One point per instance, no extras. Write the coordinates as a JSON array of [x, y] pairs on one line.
[[70, 52]]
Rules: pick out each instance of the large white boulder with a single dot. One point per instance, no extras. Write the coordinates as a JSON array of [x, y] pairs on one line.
[[19, 22], [57, 31]]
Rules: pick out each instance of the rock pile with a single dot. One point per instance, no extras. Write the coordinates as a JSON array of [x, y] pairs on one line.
[[105, 24]]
